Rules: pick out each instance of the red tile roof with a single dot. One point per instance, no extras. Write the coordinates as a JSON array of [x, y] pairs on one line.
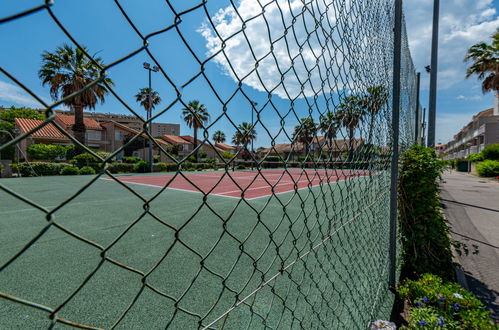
[[190, 139], [69, 121], [48, 131], [175, 139], [224, 146]]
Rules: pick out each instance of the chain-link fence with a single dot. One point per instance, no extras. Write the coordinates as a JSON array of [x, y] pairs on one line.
[[288, 227]]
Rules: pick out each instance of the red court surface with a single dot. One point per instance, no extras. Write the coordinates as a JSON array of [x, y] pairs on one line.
[[251, 183]]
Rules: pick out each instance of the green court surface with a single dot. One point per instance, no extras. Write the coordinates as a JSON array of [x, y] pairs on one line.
[[313, 258]]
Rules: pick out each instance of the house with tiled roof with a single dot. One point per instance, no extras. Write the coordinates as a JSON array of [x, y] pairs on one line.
[[45, 134], [186, 143], [226, 147], [94, 135]]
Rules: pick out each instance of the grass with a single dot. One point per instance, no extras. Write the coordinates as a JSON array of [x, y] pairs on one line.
[[332, 239]]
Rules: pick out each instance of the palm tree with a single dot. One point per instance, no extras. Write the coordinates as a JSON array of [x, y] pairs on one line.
[[329, 125], [219, 137], [68, 71], [305, 132], [143, 98], [375, 99], [244, 135], [351, 112], [485, 63], [195, 115]]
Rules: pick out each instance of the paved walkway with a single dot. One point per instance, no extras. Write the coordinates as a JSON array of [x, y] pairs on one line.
[[471, 205]]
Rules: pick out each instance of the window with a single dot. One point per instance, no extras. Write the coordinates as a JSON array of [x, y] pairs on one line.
[[93, 135], [118, 135]]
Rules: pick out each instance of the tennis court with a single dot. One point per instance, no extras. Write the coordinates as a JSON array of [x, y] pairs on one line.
[[250, 184], [131, 254]]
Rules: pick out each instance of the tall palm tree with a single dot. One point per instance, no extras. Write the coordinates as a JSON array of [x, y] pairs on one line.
[[68, 71], [143, 98], [374, 100], [352, 112], [305, 132], [329, 125], [195, 115], [244, 135], [485, 63], [219, 137]]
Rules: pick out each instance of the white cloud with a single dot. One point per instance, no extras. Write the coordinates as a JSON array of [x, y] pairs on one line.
[[294, 50], [470, 98], [462, 24], [14, 94]]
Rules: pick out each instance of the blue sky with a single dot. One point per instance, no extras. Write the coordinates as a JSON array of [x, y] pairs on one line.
[[102, 28]]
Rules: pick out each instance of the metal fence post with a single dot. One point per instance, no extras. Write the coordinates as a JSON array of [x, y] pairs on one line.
[[432, 107], [418, 114], [397, 46]]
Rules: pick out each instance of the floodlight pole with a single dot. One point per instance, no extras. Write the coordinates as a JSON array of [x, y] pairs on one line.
[[433, 76], [397, 49], [147, 66]]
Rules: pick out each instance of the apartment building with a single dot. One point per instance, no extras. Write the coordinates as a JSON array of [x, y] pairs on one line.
[[482, 130]]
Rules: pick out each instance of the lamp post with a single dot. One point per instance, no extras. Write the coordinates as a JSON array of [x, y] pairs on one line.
[[433, 76], [150, 69]]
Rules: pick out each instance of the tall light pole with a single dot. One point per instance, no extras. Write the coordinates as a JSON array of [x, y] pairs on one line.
[[433, 76], [150, 69]]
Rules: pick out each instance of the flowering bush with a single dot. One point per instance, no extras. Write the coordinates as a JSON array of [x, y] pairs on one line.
[[436, 304]]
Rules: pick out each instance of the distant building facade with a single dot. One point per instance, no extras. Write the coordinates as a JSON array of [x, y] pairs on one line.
[[482, 130]]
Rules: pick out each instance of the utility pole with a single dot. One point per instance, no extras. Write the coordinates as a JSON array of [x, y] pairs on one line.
[[147, 66], [432, 111], [423, 128]]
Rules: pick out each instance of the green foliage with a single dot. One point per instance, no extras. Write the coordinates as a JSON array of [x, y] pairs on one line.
[[491, 152], [426, 246], [434, 303], [86, 170], [9, 115], [120, 168], [142, 167], [191, 159], [241, 167], [131, 160], [488, 168], [38, 168], [478, 157], [48, 151], [164, 167], [203, 154], [104, 154], [85, 159], [227, 154], [69, 170], [174, 149]]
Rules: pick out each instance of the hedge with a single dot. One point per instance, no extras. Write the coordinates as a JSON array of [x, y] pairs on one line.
[[86, 170], [120, 168], [69, 170], [38, 168], [491, 152], [488, 168], [48, 151]]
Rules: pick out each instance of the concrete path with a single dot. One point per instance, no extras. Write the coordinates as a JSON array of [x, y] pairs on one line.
[[471, 205]]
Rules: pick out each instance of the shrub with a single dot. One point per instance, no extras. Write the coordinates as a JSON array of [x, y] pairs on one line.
[[227, 155], [426, 246], [104, 155], [69, 170], [203, 154], [142, 167], [191, 159], [434, 304], [85, 159], [491, 152], [39, 168], [488, 168], [131, 160], [50, 152], [86, 170], [241, 167], [160, 167], [120, 168], [475, 157]]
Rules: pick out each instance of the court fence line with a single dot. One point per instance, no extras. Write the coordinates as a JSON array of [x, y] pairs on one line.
[[315, 256]]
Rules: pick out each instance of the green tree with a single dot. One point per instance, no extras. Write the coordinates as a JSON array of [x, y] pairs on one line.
[[351, 112], [68, 71], [305, 132], [195, 115], [219, 137], [142, 97], [375, 99], [244, 135], [329, 123], [484, 60]]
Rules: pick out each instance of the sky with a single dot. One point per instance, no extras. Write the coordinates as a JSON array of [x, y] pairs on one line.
[[105, 31]]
